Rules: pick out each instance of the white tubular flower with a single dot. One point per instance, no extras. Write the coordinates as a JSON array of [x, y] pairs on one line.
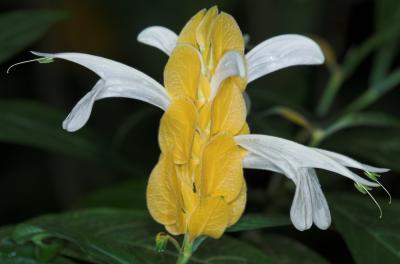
[[297, 162], [117, 80]]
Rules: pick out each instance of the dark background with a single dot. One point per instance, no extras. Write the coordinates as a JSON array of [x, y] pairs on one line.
[[34, 180]]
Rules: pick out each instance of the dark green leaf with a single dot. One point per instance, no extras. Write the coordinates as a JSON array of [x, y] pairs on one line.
[[33, 124], [378, 146], [373, 119], [252, 222], [21, 28], [129, 195], [285, 250], [386, 14], [123, 236], [370, 239]]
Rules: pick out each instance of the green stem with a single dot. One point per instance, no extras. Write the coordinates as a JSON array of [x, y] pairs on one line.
[[186, 252], [330, 92]]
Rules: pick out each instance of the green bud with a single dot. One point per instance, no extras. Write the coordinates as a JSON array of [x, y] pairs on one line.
[[161, 242]]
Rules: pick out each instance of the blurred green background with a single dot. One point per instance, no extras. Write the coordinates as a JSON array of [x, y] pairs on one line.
[[353, 99]]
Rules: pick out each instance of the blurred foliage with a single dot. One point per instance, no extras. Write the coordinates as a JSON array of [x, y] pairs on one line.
[[351, 106], [21, 28], [370, 239], [113, 236]]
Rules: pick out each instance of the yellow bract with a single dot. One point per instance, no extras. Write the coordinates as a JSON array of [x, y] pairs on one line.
[[197, 187]]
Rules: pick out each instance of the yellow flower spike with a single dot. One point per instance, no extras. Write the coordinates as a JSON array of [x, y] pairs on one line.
[[177, 129], [222, 171], [229, 109], [182, 72]]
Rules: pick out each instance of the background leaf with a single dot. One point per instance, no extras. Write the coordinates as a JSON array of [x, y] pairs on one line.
[[122, 236], [285, 250], [19, 29], [34, 124], [253, 222], [373, 119], [128, 195], [370, 239], [378, 146]]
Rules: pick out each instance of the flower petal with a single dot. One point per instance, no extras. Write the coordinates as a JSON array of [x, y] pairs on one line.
[[159, 37], [231, 64], [309, 204], [349, 162], [117, 80], [320, 209], [301, 210], [281, 52], [295, 154]]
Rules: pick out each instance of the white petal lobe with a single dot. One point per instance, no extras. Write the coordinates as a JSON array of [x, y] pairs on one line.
[[349, 162], [117, 80], [281, 52], [159, 37]]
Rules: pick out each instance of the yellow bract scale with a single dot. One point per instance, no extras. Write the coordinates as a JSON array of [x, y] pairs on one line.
[[177, 129], [210, 218], [222, 171], [188, 33], [203, 29], [163, 198], [182, 72], [225, 36], [197, 188], [228, 110]]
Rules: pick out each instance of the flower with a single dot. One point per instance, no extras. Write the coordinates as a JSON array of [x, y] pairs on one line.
[[197, 187]]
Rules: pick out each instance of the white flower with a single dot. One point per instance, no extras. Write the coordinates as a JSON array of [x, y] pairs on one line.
[[296, 161]]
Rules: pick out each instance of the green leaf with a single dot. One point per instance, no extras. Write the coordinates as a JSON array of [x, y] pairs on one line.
[[386, 14], [370, 239], [21, 28], [253, 222], [33, 124], [286, 250], [124, 236], [291, 115], [129, 195], [373, 119]]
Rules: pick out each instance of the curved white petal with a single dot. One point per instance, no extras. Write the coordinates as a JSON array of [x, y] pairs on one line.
[[320, 209], [297, 155], [117, 80], [349, 162], [281, 52], [309, 204], [231, 64], [301, 209], [159, 37], [253, 161]]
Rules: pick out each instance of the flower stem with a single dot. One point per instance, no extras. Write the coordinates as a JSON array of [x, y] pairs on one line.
[[186, 252]]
